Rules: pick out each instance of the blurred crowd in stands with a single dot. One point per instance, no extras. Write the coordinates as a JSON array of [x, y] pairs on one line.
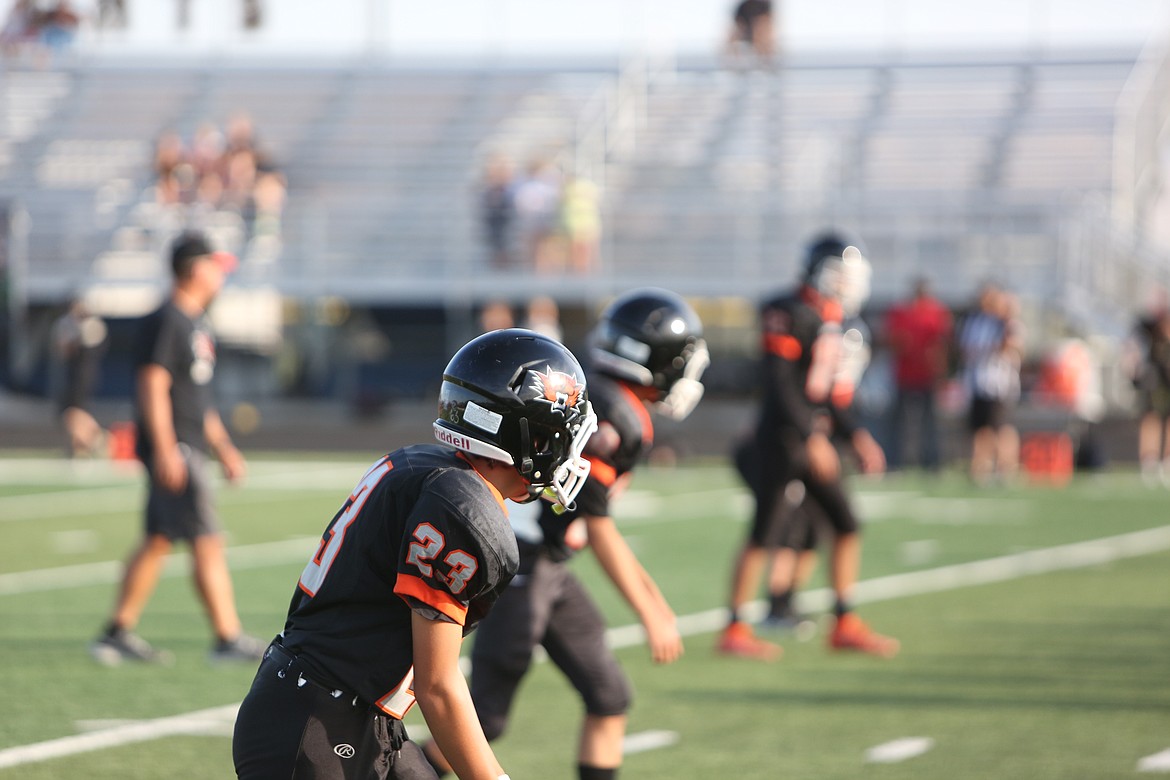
[[542, 219], [221, 170], [34, 32]]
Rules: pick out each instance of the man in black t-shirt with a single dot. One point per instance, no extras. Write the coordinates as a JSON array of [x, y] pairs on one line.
[[178, 427], [411, 562]]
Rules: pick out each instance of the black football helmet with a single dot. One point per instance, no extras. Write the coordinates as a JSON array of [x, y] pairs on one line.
[[653, 337], [519, 397], [835, 266]]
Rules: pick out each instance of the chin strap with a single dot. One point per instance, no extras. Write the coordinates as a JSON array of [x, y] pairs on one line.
[[525, 464], [570, 476]]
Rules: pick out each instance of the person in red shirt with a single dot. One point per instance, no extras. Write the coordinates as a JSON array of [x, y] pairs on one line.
[[918, 332]]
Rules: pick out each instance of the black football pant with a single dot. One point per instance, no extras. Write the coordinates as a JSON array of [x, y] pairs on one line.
[[292, 727], [548, 607]]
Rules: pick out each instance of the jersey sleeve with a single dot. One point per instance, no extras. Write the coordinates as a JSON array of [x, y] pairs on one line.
[[443, 566], [161, 344], [786, 340]]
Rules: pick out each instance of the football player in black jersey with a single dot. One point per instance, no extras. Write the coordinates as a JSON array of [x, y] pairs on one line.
[[647, 353], [803, 354], [411, 562]]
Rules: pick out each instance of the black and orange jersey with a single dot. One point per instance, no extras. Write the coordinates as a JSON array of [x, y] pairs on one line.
[[625, 435], [801, 345], [422, 532]]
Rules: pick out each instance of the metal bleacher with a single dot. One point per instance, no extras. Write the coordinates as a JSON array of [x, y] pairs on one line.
[[961, 166]]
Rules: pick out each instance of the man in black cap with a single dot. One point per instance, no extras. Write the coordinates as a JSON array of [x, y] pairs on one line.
[[178, 427]]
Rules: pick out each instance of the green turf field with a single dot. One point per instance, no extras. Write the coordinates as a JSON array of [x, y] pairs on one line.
[[1031, 648]]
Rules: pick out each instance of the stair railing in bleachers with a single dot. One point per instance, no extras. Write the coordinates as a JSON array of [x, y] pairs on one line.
[[1141, 127]]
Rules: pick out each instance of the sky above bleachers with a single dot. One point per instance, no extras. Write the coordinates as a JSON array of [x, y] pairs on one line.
[[542, 27]]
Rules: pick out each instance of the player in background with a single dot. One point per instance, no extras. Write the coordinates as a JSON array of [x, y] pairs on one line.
[[411, 562], [794, 562], [646, 353], [803, 345]]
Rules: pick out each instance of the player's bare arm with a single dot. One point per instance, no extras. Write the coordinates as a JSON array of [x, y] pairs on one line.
[[230, 459], [869, 453], [623, 568], [445, 702], [154, 390]]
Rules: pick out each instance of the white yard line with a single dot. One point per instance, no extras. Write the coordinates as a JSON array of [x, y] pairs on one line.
[[1069, 556], [192, 722], [898, 750], [1158, 762], [249, 556], [645, 741]]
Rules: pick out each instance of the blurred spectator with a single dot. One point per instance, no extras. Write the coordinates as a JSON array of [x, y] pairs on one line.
[[240, 170], [990, 344], [58, 26], [495, 315], [581, 220], [537, 202], [918, 332], [1151, 380], [207, 148], [752, 32], [111, 14], [21, 30], [544, 316], [497, 210], [222, 171], [268, 198], [253, 14], [78, 344], [173, 174], [1070, 380]]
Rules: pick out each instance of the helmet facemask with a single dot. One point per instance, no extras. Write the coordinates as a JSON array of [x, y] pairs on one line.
[[569, 476], [686, 391], [854, 282]]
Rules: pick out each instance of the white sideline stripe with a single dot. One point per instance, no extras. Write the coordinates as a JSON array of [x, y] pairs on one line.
[[1159, 762], [1007, 567], [62, 503], [204, 727], [249, 556], [192, 722], [898, 750]]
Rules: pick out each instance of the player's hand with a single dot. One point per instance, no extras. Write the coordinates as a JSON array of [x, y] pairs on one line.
[[869, 452], [232, 462], [823, 462], [666, 645], [170, 469]]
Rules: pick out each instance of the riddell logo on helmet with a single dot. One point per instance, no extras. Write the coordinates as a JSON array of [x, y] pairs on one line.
[[454, 439]]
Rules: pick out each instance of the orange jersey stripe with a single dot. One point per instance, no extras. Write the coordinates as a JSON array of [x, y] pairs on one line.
[[409, 585], [642, 412], [783, 345], [601, 471]]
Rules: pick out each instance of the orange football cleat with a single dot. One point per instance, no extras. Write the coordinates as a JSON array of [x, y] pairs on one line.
[[851, 633], [739, 640]]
